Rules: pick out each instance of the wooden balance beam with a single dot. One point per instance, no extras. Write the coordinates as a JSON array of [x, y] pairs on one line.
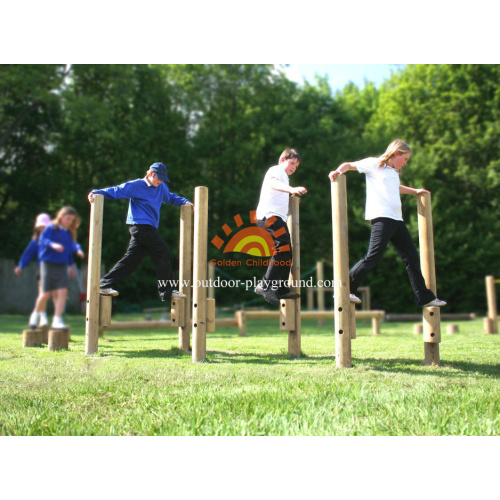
[[241, 317]]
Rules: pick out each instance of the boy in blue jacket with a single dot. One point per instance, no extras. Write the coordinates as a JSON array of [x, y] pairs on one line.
[[146, 197]]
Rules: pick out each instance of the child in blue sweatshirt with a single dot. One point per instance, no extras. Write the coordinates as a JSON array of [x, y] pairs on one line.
[[31, 254], [31, 251], [56, 247], [146, 197]]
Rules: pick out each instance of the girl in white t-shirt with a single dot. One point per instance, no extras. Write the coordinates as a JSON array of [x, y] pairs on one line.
[[383, 209]]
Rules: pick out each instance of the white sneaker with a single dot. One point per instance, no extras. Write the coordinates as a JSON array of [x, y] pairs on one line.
[[33, 321], [354, 299], [109, 291], [435, 303], [58, 323], [44, 321]]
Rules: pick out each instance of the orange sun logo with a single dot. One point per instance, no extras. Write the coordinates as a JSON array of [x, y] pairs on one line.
[[251, 240]]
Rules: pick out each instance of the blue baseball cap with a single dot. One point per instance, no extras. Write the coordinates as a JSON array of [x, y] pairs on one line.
[[160, 170]]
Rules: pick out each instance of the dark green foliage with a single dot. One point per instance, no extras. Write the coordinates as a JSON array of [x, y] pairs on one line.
[[65, 131]]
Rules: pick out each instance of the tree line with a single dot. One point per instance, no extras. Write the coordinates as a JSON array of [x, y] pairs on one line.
[[67, 129]]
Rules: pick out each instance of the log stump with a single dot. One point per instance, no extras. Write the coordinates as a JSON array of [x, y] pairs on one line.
[[32, 337], [58, 339]]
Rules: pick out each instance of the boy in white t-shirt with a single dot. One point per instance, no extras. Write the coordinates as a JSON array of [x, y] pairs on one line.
[[383, 209], [273, 204]]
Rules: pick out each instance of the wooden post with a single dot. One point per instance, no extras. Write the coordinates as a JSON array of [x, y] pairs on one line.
[[427, 263], [375, 326], [105, 302], [287, 314], [432, 325], [200, 274], [32, 337], [241, 318], [211, 279], [353, 320], [294, 336], [418, 328], [490, 323], [186, 272], [178, 311], [451, 329], [310, 298], [58, 339], [366, 302], [341, 273], [210, 315], [320, 276], [94, 275]]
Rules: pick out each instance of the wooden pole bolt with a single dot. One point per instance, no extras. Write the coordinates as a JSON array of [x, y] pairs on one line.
[[178, 311], [287, 314]]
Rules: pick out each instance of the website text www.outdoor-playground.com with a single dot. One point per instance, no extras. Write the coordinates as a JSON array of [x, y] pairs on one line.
[[249, 283]]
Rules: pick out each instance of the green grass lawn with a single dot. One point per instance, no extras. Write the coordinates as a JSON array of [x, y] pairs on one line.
[[140, 383]]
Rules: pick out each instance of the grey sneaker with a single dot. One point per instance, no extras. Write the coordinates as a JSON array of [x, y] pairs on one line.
[[109, 291], [170, 295], [268, 295], [354, 299], [435, 303]]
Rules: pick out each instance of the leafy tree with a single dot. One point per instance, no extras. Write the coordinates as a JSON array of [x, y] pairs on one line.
[[30, 114], [450, 115]]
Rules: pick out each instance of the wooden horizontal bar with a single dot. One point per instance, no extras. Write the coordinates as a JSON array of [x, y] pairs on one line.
[[418, 317], [139, 325], [314, 314], [158, 325]]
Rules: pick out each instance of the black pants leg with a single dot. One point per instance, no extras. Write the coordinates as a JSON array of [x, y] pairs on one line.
[[145, 239], [384, 230], [127, 264], [278, 272]]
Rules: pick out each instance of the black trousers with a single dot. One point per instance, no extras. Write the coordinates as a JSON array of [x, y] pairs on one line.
[[384, 230], [144, 239], [278, 271]]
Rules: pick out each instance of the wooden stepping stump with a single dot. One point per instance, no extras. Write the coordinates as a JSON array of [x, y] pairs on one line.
[[32, 337], [58, 339]]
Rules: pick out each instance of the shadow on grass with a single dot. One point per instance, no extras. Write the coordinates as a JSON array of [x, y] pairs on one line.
[[258, 358], [390, 365], [174, 352], [221, 356], [399, 365]]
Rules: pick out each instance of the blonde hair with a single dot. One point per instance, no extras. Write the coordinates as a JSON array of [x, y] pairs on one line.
[[397, 146], [68, 211], [74, 226]]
